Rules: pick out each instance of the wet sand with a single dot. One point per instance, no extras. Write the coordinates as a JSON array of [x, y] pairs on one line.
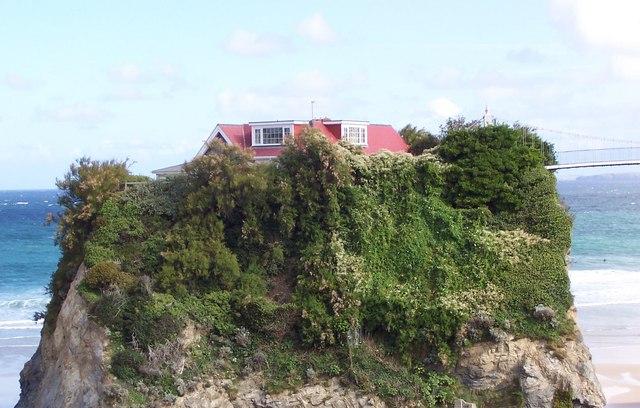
[[618, 371]]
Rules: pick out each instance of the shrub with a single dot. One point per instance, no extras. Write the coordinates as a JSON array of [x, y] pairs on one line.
[[106, 274], [562, 399], [415, 251], [110, 306], [487, 164], [95, 254], [115, 394], [212, 310], [125, 364], [154, 322]]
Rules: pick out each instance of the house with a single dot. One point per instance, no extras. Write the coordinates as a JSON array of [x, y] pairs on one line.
[[266, 139]]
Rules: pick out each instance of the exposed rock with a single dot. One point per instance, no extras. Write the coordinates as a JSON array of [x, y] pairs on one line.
[[538, 368], [67, 369], [460, 403], [250, 393]]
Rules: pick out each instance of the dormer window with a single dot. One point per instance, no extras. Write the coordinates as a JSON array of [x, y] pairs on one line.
[[355, 134], [270, 135]]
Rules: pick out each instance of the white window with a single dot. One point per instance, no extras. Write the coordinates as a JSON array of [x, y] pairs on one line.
[[265, 136], [355, 134]]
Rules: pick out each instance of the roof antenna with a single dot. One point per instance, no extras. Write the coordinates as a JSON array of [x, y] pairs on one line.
[[311, 121]]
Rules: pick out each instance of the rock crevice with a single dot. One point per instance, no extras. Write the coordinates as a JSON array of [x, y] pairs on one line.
[[67, 369], [539, 369]]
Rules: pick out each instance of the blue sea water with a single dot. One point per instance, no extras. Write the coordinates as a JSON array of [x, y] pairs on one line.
[[605, 268], [27, 259], [605, 263]]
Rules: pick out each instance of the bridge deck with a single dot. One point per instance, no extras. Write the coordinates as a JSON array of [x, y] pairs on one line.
[[593, 164]]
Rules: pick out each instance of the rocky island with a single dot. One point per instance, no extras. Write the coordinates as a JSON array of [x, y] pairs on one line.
[[329, 278]]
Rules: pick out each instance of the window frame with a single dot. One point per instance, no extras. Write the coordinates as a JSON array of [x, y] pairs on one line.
[[258, 136], [362, 136]]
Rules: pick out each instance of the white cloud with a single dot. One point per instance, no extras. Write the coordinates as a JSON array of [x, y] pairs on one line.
[[136, 82], [127, 72], [526, 55], [125, 94], [41, 152], [291, 99], [170, 74], [447, 76], [317, 30], [444, 107], [611, 27], [83, 114], [613, 24], [259, 104], [626, 66], [262, 104], [243, 42], [316, 83], [17, 82]]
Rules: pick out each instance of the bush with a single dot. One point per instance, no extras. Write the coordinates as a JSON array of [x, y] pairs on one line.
[[417, 252], [115, 394], [126, 363], [487, 164], [110, 306], [106, 274], [563, 399], [154, 322]]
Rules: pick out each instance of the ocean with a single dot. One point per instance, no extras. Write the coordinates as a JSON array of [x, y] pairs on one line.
[[605, 263], [28, 257], [605, 269]]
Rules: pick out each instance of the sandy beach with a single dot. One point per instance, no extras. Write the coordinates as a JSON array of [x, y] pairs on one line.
[[618, 369], [620, 383]]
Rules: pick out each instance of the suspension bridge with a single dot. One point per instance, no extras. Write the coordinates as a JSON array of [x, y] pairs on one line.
[[590, 151], [616, 156]]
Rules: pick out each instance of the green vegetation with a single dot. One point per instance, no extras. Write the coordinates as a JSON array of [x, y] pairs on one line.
[[418, 140], [563, 399], [379, 269]]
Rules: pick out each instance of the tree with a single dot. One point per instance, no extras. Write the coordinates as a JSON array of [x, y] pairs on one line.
[[487, 166], [418, 139], [529, 137], [87, 185], [85, 188], [457, 123], [316, 174], [221, 212]]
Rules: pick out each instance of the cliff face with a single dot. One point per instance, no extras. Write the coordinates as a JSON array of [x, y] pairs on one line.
[[537, 368], [250, 394], [67, 369]]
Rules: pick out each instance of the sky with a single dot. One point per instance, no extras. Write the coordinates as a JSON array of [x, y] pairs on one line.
[[148, 81]]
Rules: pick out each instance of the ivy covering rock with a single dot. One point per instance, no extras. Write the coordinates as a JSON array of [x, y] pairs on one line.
[[328, 262]]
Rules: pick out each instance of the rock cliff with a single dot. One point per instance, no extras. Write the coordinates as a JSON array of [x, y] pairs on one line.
[[539, 368], [68, 370], [249, 393]]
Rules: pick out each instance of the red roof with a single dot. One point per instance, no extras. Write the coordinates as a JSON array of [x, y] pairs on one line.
[[384, 137], [379, 137]]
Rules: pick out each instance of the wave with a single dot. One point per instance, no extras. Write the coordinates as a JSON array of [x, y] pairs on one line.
[[604, 287], [21, 325], [616, 277], [612, 303], [19, 338], [24, 303], [19, 346]]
